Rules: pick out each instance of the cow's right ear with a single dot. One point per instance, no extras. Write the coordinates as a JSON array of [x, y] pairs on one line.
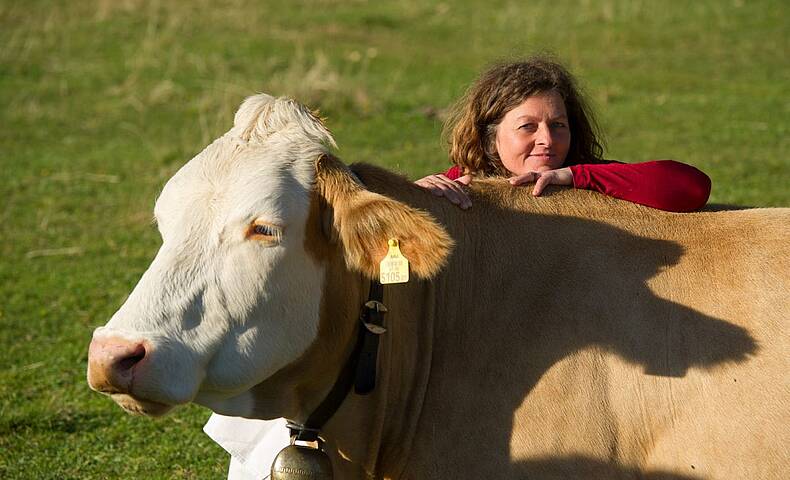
[[362, 222]]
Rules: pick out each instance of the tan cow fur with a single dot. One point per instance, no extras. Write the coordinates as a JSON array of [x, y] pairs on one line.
[[568, 336]]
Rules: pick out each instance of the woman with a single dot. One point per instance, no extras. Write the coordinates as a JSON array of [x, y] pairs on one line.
[[529, 122]]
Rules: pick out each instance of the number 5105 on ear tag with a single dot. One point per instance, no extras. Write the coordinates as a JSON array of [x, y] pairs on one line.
[[394, 268]]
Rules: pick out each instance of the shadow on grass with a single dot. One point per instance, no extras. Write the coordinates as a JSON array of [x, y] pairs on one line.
[[56, 422]]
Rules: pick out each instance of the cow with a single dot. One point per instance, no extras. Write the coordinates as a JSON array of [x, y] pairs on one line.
[[565, 336]]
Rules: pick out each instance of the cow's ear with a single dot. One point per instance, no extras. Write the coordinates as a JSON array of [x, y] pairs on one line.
[[363, 222]]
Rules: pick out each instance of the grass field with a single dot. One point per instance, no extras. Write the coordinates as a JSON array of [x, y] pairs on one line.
[[103, 100]]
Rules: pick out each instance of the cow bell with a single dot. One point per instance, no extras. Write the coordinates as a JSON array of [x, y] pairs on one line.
[[299, 462]]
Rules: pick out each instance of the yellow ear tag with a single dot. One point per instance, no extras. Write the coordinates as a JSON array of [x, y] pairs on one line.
[[394, 268]]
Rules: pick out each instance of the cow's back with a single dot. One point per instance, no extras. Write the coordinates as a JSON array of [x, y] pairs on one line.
[[580, 336], [728, 416]]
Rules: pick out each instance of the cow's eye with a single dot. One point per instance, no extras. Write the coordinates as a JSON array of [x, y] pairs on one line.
[[263, 231]]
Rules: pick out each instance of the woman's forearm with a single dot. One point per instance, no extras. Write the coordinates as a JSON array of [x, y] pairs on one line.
[[663, 184]]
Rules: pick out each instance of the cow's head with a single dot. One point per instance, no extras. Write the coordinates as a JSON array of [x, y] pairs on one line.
[[234, 293]]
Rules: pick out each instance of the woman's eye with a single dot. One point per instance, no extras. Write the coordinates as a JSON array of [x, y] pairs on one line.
[[528, 126], [560, 125]]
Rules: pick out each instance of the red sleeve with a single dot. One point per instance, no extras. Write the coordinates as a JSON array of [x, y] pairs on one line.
[[663, 184], [453, 173]]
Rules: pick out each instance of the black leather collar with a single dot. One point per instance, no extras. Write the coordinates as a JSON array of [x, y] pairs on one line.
[[359, 369]]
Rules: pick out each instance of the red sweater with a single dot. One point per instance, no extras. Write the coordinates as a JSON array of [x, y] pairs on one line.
[[663, 184]]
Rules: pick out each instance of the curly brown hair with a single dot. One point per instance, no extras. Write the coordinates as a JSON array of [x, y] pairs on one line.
[[471, 126]]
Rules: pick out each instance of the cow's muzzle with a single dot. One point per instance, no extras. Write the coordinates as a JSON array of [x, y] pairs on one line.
[[111, 364]]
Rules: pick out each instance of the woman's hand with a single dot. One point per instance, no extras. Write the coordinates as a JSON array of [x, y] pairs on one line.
[[452, 190], [560, 176]]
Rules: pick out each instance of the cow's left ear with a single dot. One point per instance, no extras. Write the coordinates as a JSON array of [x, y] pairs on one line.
[[363, 222]]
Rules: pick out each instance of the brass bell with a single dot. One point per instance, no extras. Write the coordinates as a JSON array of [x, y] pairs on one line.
[[300, 462]]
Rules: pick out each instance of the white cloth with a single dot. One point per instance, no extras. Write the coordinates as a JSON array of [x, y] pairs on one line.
[[252, 444]]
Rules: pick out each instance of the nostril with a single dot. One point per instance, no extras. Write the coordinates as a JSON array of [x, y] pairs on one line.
[[112, 361], [132, 359]]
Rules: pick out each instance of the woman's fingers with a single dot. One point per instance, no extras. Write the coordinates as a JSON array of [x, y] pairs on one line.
[[541, 182], [464, 180], [453, 191], [523, 178], [432, 183], [441, 186], [560, 176], [424, 183]]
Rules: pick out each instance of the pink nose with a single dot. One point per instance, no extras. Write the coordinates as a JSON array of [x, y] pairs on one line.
[[111, 363]]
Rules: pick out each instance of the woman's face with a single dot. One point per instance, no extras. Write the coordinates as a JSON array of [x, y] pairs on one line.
[[535, 135]]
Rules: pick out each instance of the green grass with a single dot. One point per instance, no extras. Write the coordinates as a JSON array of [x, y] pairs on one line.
[[102, 101]]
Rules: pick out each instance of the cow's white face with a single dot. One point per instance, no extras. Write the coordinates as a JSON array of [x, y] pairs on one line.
[[231, 296]]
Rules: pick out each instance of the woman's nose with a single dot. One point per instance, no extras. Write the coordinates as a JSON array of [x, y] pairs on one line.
[[543, 135]]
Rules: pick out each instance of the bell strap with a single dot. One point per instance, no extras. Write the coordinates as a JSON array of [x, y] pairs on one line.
[[372, 327], [359, 369]]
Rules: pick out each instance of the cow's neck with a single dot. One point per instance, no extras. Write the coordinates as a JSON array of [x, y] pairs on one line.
[[372, 434], [374, 431]]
